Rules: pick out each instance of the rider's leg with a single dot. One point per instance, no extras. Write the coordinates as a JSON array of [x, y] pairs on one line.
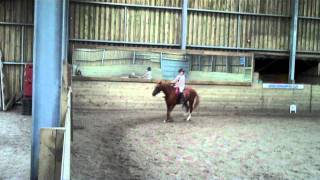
[[182, 98]]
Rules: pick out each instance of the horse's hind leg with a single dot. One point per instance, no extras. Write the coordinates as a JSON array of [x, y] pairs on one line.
[[190, 110], [186, 109], [185, 106], [189, 117]]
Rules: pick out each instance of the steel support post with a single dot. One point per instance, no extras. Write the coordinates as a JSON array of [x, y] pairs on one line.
[[184, 24], [48, 54], [293, 40]]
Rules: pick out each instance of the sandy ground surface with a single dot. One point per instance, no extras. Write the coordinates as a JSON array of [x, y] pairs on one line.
[[15, 145], [127, 145]]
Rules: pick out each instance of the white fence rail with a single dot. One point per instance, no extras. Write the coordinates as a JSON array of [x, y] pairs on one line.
[[66, 153]]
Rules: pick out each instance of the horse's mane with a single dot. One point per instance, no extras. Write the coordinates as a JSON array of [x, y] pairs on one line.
[[166, 85]]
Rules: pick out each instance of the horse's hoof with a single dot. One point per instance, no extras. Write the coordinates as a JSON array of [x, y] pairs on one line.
[[169, 120], [189, 118]]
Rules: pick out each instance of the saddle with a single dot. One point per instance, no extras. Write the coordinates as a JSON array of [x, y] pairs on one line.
[[185, 94]]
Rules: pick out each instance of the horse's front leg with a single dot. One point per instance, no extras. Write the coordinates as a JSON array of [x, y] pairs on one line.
[[169, 109], [168, 116]]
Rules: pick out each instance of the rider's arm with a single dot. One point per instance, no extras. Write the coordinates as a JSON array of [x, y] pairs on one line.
[[176, 79]]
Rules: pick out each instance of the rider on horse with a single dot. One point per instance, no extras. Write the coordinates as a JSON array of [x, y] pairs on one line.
[[180, 84], [190, 99]]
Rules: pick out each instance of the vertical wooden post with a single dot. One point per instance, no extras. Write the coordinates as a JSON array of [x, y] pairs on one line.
[[51, 143], [125, 24], [211, 63], [227, 64], [199, 63], [134, 57], [22, 58], [252, 66], [161, 54], [2, 95]]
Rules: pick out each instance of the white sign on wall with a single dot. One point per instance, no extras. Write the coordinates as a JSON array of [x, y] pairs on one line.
[[282, 86]]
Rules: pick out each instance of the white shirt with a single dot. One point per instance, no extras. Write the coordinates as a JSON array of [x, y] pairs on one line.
[[148, 75], [180, 82]]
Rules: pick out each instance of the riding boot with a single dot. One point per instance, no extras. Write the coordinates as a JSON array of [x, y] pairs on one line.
[[182, 98], [183, 101]]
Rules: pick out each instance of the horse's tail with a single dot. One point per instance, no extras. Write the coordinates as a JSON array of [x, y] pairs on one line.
[[196, 101]]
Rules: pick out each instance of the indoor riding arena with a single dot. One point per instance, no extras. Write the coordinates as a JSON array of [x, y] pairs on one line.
[[103, 77]]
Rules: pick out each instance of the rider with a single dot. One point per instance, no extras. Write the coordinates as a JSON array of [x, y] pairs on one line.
[[147, 74], [180, 83]]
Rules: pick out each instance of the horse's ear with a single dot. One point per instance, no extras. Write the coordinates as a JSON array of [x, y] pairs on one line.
[[160, 82]]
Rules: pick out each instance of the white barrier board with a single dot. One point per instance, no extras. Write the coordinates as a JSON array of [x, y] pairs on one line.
[[282, 86]]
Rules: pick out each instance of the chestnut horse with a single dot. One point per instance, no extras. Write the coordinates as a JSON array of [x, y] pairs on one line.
[[191, 97]]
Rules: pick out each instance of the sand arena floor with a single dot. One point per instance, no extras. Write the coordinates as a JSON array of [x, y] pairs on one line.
[[15, 145], [131, 145]]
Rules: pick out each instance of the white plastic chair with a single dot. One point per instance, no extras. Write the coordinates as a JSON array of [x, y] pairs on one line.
[[293, 108]]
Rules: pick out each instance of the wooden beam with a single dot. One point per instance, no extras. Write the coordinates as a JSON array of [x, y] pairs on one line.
[[50, 157], [155, 81], [228, 68], [2, 85], [199, 63], [159, 50], [301, 56], [213, 63], [64, 93], [285, 56]]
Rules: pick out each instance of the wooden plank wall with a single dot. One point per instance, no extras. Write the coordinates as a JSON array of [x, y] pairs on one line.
[[100, 22], [309, 29], [215, 29], [16, 11], [102, 95]]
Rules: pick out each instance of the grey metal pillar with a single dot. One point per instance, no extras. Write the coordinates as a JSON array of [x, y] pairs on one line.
[[184, 23], [293, 39], [48, 54]]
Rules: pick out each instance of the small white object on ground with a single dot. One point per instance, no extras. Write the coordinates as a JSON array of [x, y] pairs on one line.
[[293, 108]]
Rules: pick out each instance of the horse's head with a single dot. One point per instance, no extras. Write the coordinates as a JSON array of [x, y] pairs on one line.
[[157, 89]]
